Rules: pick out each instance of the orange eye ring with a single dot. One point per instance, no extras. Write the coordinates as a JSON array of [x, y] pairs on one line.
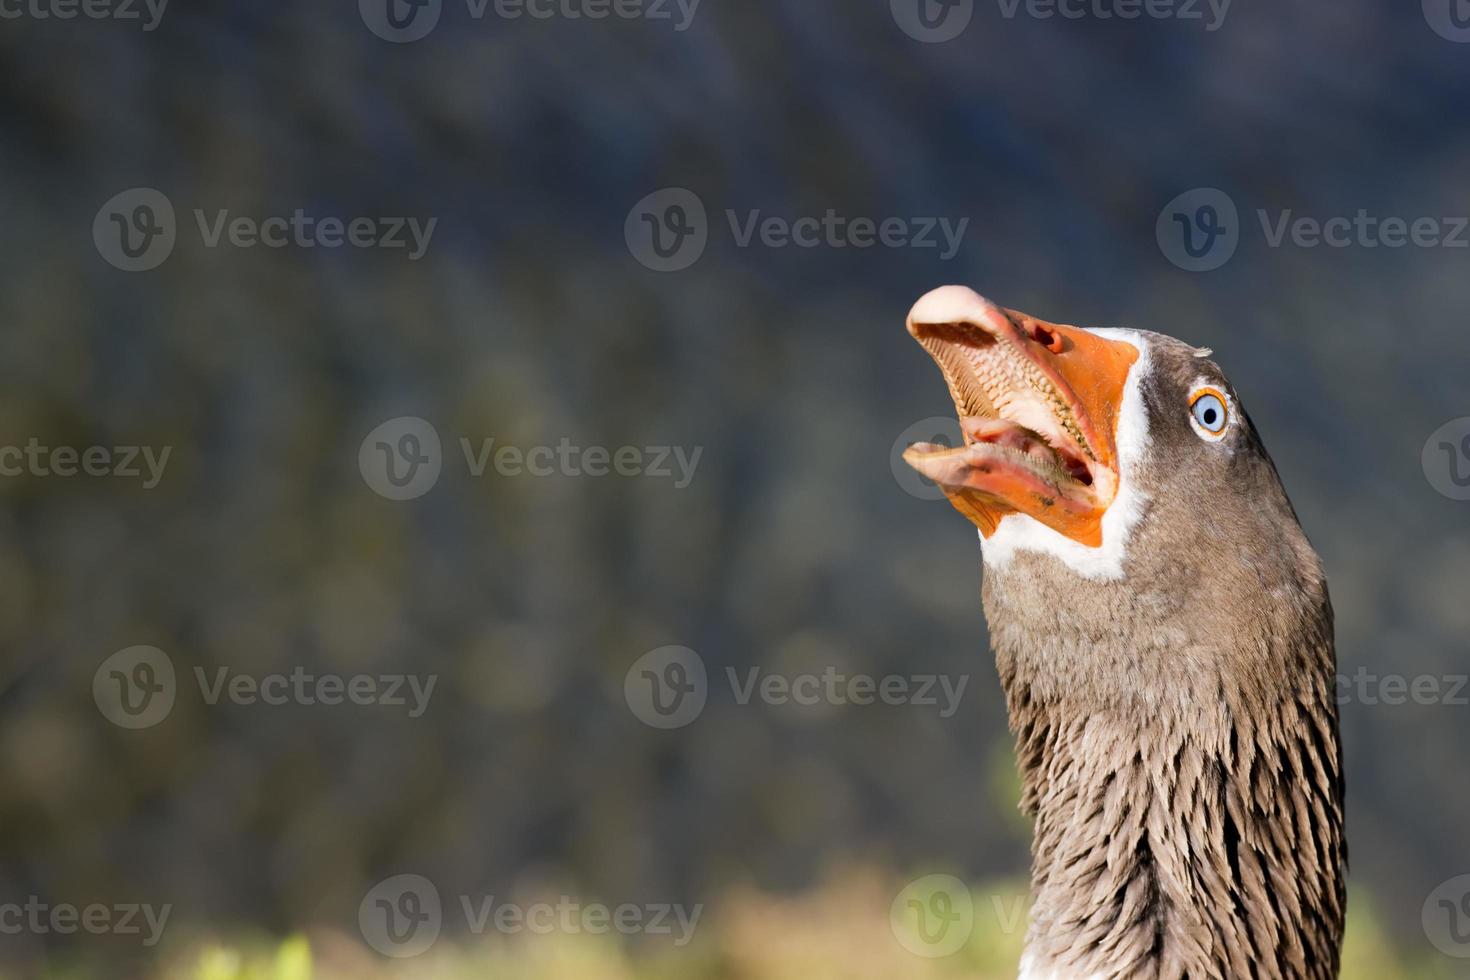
[[1209, 412]]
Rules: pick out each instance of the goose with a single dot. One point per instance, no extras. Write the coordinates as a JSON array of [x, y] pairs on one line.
[[1163, 634]]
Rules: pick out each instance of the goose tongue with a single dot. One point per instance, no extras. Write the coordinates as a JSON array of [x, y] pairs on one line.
[[1003, 462]]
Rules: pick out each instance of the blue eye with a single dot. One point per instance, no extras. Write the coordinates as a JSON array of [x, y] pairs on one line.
[[1208, 409]]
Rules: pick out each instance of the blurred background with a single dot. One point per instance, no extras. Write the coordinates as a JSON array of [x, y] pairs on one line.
[[595, 270]]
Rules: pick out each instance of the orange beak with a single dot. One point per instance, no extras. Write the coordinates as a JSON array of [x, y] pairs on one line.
[[1038, 404]]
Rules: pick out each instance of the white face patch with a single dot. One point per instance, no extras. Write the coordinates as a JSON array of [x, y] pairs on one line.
[[1020, 532]]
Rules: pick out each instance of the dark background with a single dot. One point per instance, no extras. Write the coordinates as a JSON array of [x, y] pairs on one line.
[[529, 320]]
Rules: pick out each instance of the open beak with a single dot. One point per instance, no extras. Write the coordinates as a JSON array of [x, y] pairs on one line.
[[1038, 405]]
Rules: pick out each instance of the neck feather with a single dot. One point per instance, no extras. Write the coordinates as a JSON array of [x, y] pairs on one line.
[[1187, 797]]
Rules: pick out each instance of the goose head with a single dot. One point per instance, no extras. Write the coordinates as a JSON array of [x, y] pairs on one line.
[[1078, 441]]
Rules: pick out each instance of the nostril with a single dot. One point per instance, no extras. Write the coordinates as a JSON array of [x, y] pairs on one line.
[[1046, 338]]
